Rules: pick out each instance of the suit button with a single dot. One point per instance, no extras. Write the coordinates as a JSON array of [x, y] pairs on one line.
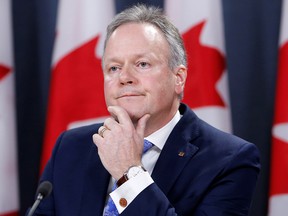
[[123, 202]]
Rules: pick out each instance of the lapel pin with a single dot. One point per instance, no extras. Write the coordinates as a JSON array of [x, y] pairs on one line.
[[181, 153]]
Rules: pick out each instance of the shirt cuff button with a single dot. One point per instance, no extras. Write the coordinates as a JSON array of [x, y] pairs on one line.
[[123, 202]]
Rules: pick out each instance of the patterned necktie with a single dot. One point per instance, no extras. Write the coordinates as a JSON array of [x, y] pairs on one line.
[[147, 146], [110, 209]]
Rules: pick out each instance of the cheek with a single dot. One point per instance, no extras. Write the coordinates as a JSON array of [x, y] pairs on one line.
[[109, 84], [108, 91], [163, 90], [106, 88]]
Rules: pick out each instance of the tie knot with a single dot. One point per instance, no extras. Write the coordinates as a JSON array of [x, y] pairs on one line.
[[147, 146]]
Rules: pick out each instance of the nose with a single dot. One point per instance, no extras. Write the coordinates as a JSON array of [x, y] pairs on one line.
[[126, 76]]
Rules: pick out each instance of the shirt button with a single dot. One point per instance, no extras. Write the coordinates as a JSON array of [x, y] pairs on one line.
[[123, 202]]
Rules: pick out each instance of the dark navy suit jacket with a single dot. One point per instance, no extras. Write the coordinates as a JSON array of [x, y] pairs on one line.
[[216, 175]]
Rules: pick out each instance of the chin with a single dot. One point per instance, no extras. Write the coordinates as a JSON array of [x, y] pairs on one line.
[[132, 107], [134, 115]]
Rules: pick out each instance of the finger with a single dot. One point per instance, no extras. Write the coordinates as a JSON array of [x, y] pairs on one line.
[[110, 123], [141, 125], [119, 114], [97, 139], [102, 130]]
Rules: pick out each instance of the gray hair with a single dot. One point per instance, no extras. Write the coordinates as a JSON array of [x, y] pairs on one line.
[[154, 16]]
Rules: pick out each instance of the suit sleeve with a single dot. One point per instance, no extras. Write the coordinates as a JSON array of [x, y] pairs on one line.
[[229, 193], [151, 201]]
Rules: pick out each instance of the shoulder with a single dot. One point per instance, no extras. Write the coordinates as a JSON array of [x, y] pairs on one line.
[[215, 144], [82, 132], [77, 139]]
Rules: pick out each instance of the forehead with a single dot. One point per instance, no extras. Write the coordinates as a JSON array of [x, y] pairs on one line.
[[136, 36], [147, 29], [131, 32]]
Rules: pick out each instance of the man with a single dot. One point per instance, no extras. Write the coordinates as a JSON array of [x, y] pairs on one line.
[[191, 168]]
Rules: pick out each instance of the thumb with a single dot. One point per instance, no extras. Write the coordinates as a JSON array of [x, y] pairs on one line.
[[141, 125]]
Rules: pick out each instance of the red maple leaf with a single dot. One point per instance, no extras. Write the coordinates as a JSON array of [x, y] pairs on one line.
[[205, 67], [76, 93], [4, 70]]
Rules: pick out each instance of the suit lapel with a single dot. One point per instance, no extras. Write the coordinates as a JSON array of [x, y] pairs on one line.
[[178, 150]]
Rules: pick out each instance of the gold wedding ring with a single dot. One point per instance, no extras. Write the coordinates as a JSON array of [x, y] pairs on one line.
[[101, 130]]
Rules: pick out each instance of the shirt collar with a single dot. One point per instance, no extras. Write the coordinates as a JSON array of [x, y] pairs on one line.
[[159, 137]]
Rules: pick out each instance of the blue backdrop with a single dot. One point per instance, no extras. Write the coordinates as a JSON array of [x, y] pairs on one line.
[[251, 32]]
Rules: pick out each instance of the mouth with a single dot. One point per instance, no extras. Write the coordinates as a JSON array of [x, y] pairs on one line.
[[129, 95]]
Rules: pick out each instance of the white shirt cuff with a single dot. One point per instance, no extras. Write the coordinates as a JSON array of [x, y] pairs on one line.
[[127, 192]]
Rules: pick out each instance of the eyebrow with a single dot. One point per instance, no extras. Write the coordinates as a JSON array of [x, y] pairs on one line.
[[116, 59]]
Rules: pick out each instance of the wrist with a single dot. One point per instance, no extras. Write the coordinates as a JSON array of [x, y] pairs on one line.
[[130, 173]]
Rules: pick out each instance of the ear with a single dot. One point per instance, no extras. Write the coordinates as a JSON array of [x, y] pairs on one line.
[[180, 75]]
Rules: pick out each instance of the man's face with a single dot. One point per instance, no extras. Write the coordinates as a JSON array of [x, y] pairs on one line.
[[137, 76]]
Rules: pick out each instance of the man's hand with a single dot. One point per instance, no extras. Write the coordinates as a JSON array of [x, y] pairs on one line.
[[121, 145]]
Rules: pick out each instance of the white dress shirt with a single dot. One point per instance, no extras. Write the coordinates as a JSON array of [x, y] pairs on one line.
[[131, 188]]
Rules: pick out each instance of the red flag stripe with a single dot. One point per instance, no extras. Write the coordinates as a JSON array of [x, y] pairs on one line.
[[76, 93]]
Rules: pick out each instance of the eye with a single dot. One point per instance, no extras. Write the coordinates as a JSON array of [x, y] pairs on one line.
[[143, 65], [113, 69]]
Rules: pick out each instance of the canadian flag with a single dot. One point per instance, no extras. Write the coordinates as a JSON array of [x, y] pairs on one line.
[[8, 152], [76, 91], [278, 202], [206, 89]]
